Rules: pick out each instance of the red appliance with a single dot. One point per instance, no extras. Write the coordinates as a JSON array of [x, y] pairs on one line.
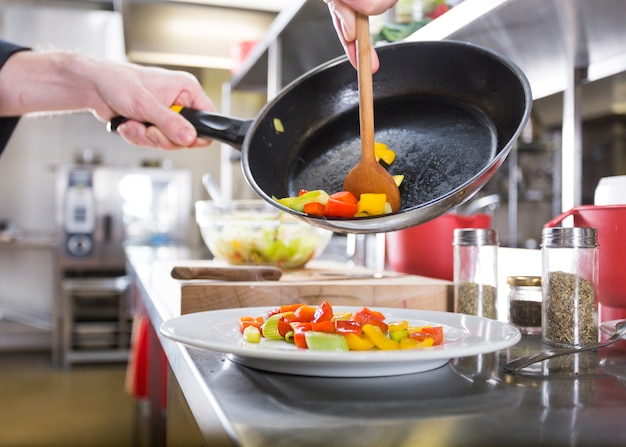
[[426, 249]]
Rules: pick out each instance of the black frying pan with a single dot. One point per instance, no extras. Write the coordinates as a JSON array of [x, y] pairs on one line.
[[450, 110]]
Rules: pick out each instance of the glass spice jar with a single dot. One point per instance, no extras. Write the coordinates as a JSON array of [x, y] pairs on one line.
[[475, 271], [525, 298], [569, 286]]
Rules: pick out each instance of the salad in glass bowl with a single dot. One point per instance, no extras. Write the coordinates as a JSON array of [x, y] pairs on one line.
[[252, 232]]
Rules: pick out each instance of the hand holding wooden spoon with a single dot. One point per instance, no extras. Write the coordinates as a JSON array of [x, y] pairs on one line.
[[368, 176]]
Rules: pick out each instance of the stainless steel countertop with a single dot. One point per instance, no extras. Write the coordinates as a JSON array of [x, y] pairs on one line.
[[468, 402]]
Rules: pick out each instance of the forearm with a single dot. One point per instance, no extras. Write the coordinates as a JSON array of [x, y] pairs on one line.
[[46, 81], [33, 81]]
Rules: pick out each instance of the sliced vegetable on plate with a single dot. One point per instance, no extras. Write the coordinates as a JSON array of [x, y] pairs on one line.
[[321, 329]]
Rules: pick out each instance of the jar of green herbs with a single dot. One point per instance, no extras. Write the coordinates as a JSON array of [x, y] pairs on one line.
[[569, 274], [475, 271]]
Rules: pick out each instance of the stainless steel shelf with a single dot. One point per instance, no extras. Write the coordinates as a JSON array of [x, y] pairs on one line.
[[559, 44], [304, 37], [8, 241], [546, 38]]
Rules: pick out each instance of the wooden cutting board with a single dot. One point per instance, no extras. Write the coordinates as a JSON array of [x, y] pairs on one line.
[[321, 280]]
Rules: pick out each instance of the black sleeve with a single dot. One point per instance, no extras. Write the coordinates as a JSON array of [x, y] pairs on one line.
[[7, 124]]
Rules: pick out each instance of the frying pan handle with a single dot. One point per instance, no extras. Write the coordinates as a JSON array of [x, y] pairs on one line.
[[209, 125]]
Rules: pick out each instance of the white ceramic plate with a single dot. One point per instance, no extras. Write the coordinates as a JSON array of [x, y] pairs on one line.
[[464, 335]]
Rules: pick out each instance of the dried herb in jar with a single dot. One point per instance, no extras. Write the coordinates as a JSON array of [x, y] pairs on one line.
[[570, 310], [525, 313], [525, 298], [477, 299]]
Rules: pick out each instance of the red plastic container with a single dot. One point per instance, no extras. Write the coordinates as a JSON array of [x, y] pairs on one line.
[[610, 224], [426, 249]]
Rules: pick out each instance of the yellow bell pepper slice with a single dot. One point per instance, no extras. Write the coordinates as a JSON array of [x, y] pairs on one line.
[[427, 343], [371, 204], [382, 152], [358, 343], [397, 325], [409, 343], [342, 316], [412, 329], [278, 125], [398, 179], [381, 341]]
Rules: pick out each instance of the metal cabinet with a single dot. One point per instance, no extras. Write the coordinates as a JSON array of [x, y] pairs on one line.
[[95, 322]]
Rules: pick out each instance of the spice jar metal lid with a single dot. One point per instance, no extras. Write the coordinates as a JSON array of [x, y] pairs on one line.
[[520, 281], [475, 236], [569, 237]]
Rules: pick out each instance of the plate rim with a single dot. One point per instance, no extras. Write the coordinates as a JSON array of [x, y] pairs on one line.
[[354, 357]]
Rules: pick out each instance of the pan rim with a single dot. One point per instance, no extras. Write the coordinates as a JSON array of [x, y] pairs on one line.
[[384, 223]]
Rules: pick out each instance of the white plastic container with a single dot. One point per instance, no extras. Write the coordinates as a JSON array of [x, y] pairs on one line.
[[611, 191]]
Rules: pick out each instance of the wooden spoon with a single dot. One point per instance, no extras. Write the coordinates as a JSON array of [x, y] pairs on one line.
[[368, 176]]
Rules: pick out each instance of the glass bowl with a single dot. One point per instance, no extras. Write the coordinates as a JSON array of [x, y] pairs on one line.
[[252, 232]]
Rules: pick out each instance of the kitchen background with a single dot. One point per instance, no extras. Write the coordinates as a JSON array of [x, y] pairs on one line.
[[208, 38], [42, 145]]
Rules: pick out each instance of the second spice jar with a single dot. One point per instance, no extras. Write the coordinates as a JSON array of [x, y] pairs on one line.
[[475, 271], [525, 303], [569, 286]]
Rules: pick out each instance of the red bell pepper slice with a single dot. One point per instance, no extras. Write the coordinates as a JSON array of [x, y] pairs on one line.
[[345, 196], [314, 209], [418, 336], [302, 192], [284, 323], [244, 322], [324, 312], [289, 307], [434, 332], [372, 313], [368, 319], [271, 312], [299, 338], [324, 326], [368, 316], [304, 313], [338, 208], [348, 327]]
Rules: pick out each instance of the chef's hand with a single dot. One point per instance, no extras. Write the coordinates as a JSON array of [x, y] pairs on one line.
[[343, 13], [144, 95], [51, 81]]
